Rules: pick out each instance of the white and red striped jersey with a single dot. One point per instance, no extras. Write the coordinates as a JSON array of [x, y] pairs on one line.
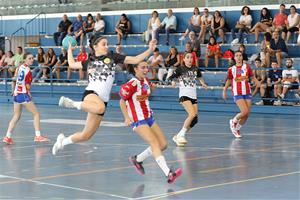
[[24, 77], [136, 93], [239, 76]]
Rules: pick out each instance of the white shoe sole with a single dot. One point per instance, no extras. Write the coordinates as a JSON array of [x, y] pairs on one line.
[[58, 144], [177, 143], [61, 101]]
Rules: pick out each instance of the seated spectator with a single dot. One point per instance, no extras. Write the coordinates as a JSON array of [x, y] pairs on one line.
[[218, 26], [40, 58], [242, 48], [188, 49], [265, 45], [172, 61], [61, 64], [195, 43], [156, 62], [88, 27], [99, 27], [261, 75], [50, 61], [76, 28], [206, 21], [153, 26], [290, 79], [243, 25], [213, 51], [169, 24], [194, 24], [279, 20], [277, 49], [8, 64], [123, 28], [81, 57], [274, 81], [17, 60], [263, 25], [62, 30], [292, 23]]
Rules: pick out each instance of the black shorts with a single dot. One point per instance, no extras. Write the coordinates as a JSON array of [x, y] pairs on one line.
[[87, 92], [185, 98]]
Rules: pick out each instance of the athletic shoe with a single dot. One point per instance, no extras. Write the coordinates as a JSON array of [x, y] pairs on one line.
[[277, 103], [234, 129], [182, 38], [173, 175], [41, 139], [66, 102], [297, 96], [7, 140], [260, 103], [138, 165], [179, 141], [58, 144]]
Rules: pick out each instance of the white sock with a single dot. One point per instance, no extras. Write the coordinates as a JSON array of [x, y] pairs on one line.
[[182, 132], [67, 141], [8, 134], [162, 164], [77, 104], [145, 154], [235, 120], [37, 133]]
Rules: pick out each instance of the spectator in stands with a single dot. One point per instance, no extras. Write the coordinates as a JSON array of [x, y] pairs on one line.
[[62, 30], [8, 63], [153, 25], [40, 58], [188, 49], [194, 24], [172, 61], [292, 23], [88, 27], [2, 56], [218, 26], [206, 21], [99, 27], [265, 46], [274, 80], [76, 28], [195, 43], [156, 62], [277, 49], [243, 25], [50, 61], [242, 48], [81, 57], [169, 24], [263, 25], [290, 79], [261, 75], [123, 27], [213, 51], [279, 20], [61, 64]]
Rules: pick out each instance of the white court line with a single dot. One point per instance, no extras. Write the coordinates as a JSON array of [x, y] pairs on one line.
[[64, 186]]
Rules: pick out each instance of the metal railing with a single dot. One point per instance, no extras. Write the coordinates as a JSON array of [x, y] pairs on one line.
[[35, 27], [17, 38]]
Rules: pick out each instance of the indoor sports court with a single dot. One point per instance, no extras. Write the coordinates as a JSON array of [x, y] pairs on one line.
[[263, 164]]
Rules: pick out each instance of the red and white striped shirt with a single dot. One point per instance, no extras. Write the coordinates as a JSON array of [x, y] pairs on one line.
[[136, 93], [239, 76], [24, 77]]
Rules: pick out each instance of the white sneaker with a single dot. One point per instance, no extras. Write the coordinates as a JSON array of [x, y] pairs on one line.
[[66, 102], [234, 129], [260, 103], [58, 144], [277, 103], [281, 96], [182, 38], [179, 141], [297, 96]]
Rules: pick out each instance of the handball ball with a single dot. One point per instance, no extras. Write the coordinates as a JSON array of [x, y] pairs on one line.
[[67, 39]]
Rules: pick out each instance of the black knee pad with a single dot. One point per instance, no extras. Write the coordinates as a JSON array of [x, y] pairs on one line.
[[194, 121]]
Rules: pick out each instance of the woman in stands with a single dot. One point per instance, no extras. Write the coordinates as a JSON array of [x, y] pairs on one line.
[[194, 24], [123, 28], [187, 75], [153, 25], [135, 107], [101, 72], [213, 51], [238, 76], [264, 24], [22, 97]]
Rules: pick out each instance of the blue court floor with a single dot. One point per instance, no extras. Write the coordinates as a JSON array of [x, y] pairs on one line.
[[264, 164]]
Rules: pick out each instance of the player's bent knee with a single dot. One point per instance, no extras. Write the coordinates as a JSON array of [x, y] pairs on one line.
[[194, 121]]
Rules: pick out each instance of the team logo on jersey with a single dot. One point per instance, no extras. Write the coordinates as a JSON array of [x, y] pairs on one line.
[[107, 60]]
